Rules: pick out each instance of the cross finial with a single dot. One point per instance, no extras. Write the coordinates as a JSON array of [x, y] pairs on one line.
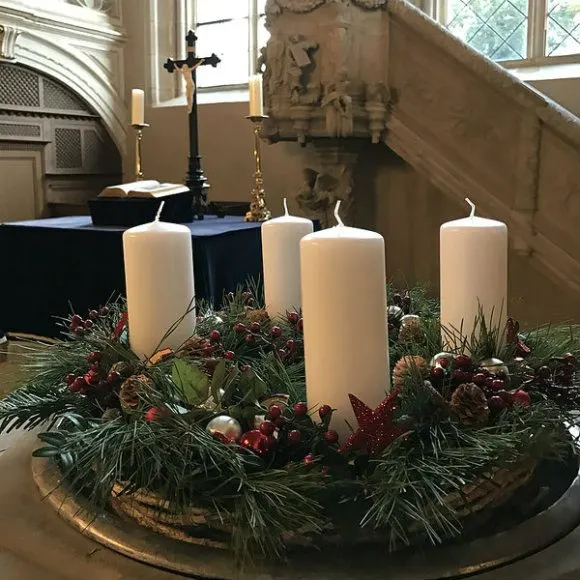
[[191, 39]]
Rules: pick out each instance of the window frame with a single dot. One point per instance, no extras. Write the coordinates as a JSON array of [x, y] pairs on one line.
[[253, 17], [537, 36]]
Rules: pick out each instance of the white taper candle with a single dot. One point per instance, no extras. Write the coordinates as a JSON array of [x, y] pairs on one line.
[[474, 270], [160, 285], [256, 96], [137, 107], [344, 302], [281, 257]]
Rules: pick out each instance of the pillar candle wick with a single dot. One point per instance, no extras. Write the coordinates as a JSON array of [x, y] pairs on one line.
[[472, 214], [158, 216], [286, 208], [337, 214]]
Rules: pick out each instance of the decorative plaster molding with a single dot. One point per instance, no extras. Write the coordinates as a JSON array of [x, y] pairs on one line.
[[8, 37], [106, 6], [274, 7]]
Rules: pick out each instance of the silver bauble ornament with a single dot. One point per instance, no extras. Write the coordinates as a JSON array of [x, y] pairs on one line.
[[442, 359], [410, 329], [224, 427], [494, 366], [395, 314]]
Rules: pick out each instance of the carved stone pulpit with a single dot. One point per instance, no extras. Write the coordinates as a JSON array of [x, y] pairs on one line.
[[326, 82]]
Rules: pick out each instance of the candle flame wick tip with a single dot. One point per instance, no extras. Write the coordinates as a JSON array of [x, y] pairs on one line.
[[337, 213], [472, 214], [158, 215], [286, 207]]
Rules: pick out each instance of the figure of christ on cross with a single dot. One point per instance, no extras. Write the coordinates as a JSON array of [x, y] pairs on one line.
[[196, 181]]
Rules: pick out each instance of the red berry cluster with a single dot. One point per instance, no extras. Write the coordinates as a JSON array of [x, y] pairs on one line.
[[96, 381], [80, 326], [556, 379], [454, 371]]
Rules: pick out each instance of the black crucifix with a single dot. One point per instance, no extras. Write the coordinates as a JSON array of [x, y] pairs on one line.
[[196, 181]]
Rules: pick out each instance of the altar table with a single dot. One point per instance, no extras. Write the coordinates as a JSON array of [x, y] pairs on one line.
[[50, 266]]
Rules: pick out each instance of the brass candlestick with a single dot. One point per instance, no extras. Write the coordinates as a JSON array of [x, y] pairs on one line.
[[138, 150], [259, 211]]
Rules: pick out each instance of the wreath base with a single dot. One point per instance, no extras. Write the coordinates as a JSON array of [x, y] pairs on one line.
[[205, 557]]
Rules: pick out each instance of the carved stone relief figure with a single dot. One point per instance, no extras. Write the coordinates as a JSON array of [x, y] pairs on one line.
[[337, 104], [299, 60], [330, 182]]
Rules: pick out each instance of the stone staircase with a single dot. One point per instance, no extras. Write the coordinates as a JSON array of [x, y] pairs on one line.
[[381, 70]]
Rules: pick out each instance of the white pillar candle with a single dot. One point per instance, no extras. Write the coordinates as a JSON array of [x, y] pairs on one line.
[[344, 301], [281, 257], [474, 270], [160, 287], [137, 107], [256, 96]]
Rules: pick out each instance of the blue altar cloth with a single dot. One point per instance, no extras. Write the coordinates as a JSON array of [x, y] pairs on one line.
[[50, 266]]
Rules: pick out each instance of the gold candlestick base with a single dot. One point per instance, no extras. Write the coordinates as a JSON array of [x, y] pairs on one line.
[[259, 211], [139, 175]]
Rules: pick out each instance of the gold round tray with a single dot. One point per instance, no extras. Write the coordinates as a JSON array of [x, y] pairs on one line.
[[455, 560]]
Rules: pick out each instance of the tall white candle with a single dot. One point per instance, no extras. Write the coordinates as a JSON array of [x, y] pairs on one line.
[[256, 96], [474, 270], [344, 302], [137, 107], [281, 257], [160, 288]]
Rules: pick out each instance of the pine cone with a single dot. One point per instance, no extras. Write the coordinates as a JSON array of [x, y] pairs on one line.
[[410, 368], [469, 405], [194, 346], [257, 315], [130, 389], [411, 329]]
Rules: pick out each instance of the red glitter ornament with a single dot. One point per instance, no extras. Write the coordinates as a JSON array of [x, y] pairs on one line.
[[376, 427], [121, 325], [255, 441], [512, 336]]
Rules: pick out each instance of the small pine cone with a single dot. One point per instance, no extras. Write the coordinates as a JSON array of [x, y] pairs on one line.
[[469, 405], [257, 315], [110, 415], [194, 346], [130, 389], [409, 368], [411, 329]]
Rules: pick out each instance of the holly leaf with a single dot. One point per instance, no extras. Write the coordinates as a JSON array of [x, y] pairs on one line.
[[252, 386], [191, 381]]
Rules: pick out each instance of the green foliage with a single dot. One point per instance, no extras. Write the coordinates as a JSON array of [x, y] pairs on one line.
[[398, 494], [192, 382]]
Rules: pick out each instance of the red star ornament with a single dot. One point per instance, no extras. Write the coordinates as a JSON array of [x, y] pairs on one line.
[[376, 429]]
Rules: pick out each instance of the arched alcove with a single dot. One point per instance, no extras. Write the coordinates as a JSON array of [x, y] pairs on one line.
[[55, 149]]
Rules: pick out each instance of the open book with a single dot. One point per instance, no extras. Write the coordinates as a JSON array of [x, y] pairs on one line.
[[145, 188]]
